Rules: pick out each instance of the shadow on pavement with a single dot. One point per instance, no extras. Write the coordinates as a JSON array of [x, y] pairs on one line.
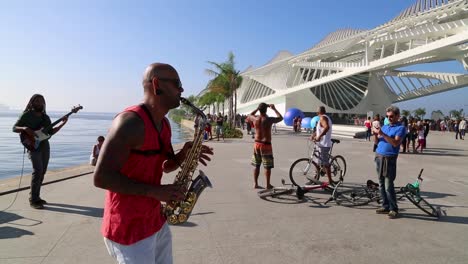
[[445, 218], [18, 220], [284, 199], [444, 154], [316, 202], [75, 209], [6, 217], [204, 213], [187, 224], [14, 219], [443, 149], [435, 195], [7, 232], [440, 152]]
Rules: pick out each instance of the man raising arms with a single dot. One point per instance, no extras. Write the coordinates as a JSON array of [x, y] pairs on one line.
[[263, 151], [130, 166]]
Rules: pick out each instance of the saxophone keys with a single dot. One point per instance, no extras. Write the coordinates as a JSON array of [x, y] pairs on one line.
[[187, 210], [191, 196], [184, 205], [173, 219], [182, 218]]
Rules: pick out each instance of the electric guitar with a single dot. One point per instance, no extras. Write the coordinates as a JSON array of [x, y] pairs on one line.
[[32, 142]]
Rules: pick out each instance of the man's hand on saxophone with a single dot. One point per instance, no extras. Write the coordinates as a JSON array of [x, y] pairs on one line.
[[205, 151], [172, 164], [204, 154], [167, 193]]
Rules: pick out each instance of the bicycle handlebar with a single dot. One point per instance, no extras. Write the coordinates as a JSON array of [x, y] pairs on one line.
[[420, 173]]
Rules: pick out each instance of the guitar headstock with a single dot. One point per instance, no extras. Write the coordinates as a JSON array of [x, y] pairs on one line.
[[76, 108]]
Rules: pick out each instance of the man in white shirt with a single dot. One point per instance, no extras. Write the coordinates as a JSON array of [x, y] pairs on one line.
[[322, 138], [462, 128]]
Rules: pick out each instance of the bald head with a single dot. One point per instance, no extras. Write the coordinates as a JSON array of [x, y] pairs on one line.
[[155, 70]]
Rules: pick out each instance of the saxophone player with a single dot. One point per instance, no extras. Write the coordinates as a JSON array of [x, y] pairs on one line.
[[132, 161]]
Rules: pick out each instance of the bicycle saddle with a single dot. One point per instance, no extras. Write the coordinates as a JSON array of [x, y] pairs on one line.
[[372, 185], [335, 141]]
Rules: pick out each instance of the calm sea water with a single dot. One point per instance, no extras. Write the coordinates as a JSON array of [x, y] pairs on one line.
[[71, 146]]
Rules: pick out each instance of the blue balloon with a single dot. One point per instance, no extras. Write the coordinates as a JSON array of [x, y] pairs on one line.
[[305, 123], [291, 113], [314, 121]]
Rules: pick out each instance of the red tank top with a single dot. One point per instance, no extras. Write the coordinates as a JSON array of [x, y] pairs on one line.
[[130, 218]]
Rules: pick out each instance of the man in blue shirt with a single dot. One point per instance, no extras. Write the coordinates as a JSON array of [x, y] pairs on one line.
[[388, 140]]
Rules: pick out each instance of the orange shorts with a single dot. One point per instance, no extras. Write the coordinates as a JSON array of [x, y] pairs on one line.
[[263, 153]]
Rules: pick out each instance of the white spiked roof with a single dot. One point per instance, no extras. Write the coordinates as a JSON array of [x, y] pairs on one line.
[[421, 6], [337, 35], [281, 55]]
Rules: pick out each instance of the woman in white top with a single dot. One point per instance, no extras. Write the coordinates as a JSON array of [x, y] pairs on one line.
[[421, 138], [96, 149]]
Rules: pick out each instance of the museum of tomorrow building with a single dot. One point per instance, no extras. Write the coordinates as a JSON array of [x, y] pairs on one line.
[[355, 71]]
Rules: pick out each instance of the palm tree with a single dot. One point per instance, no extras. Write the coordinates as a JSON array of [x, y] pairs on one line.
[[405, 113], [420, 112], [207, 99], [225, 82], [456, 114], [220, 99]]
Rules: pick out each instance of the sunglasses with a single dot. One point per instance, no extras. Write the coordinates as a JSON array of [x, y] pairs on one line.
[[176, 82]]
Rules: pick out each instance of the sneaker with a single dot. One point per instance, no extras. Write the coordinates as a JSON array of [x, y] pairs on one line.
[[382, 211], [36, 205], [392, 214], [42, 201]]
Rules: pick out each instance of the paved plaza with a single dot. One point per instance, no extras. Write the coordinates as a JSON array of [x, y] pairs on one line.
[[230, 224]]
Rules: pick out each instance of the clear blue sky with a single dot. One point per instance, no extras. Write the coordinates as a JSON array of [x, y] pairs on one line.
[[94, 52]]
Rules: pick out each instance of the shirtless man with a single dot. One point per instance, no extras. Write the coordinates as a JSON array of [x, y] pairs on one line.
[[263, 152]]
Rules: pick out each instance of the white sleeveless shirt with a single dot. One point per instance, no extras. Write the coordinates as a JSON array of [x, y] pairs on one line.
[[326, 139]]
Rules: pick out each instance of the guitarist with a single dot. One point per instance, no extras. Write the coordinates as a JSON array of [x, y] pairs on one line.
[[33, 118]]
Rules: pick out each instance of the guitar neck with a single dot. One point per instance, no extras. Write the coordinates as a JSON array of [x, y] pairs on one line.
[[57, 121]]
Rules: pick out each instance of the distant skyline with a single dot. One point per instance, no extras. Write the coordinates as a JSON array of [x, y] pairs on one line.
[[93, 53]]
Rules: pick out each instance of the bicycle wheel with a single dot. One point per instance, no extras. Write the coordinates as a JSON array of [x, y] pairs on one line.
[[338, 168], [303, 171], [352, 197], [422, 204]]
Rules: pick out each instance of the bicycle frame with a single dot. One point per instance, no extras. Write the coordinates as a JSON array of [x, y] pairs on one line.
[[299, 190], [370, 193], [315, 155]]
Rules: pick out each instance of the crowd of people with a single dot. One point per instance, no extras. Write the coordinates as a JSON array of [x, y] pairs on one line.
[[417, 131]]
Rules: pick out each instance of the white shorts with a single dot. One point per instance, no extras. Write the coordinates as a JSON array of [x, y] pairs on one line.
[[154, 249]]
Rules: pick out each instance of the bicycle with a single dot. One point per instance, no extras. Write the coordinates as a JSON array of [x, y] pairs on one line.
[[305, 170], [297, 191], [370, 193]]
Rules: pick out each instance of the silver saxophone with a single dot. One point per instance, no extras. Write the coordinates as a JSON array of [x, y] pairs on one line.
[[178, 212]]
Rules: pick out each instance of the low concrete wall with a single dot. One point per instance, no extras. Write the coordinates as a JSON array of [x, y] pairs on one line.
[[187, 123]]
